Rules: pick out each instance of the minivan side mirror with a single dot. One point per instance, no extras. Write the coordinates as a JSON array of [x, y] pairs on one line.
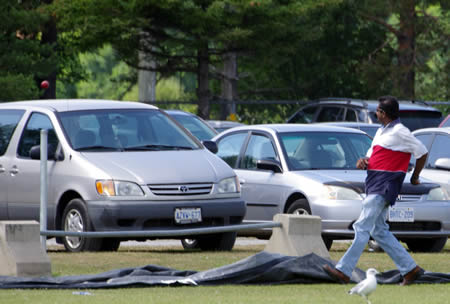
[[210, 145], [35, 153], [268, 164]]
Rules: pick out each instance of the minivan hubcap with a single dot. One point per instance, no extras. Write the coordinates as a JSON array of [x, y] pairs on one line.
[[74, 222]]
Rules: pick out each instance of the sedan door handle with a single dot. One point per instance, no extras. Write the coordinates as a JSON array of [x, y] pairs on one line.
[[2, 169], [241, 181]]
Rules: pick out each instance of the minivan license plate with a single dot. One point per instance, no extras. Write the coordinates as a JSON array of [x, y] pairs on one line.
[[401, 214], [188, 215]]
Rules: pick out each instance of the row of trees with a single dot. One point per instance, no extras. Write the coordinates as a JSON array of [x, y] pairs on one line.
[[234, 49]]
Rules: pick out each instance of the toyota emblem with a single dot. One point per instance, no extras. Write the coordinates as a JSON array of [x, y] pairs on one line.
[[183, 189]]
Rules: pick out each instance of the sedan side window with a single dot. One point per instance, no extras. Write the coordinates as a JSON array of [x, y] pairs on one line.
[[259, 148], [31, 135], [8, 123], [439, 149], [229, 148]]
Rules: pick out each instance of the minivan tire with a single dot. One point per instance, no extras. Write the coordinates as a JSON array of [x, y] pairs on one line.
[[76, 218]]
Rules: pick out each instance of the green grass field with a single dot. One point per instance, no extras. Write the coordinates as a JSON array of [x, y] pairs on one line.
[[175, 257]]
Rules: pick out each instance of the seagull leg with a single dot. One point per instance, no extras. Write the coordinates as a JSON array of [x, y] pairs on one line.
[[366, 298]]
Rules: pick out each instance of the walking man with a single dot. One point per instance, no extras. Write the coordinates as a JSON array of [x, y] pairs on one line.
[[386, 163]]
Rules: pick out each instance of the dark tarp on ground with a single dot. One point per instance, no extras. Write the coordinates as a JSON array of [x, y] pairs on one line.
[[261, 268]]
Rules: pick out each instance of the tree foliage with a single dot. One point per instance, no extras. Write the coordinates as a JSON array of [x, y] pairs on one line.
[[23, 58], [183, 35]]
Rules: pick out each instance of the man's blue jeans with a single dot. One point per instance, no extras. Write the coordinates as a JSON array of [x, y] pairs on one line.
[[372, 222]]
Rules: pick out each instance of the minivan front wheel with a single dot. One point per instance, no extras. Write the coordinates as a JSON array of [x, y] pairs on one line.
[[76, 218]]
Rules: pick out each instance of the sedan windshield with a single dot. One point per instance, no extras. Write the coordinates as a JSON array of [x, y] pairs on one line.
[[124, 130], [324, 150]]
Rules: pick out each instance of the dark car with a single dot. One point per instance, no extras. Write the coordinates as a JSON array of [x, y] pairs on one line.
[[413, 114], [194, 124]]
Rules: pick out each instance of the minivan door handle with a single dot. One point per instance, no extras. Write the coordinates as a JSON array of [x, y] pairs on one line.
[[14, 170]]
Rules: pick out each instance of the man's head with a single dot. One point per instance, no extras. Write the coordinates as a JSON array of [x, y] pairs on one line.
[[387, 109]]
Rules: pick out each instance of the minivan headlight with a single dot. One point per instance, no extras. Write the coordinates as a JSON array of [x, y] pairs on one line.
[[437, 194], [229, 185], [118, 188], [340, 193]]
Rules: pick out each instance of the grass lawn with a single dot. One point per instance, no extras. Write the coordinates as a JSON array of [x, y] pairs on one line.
[[175, 257]]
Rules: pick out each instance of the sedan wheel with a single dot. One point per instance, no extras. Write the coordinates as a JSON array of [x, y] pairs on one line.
[[301, 207], [426, 245], [190, 244]]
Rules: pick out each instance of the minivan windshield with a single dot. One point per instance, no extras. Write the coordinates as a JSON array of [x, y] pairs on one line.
[[124, 130], [324, 150]]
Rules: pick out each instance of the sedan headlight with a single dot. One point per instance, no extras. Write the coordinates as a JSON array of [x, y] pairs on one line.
[[229, 185], [118, 188], [340, 193], [437, 194]]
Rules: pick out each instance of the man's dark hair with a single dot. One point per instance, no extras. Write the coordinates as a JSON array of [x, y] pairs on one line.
[[389, 105]]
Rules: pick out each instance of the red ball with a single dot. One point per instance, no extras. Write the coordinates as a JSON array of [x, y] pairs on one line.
[[45, 84]]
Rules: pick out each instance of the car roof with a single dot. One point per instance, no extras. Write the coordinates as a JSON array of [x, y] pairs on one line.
[[224, 123], [350, 124], [372, 104], [287, 127], [433, 130], [63, 105]]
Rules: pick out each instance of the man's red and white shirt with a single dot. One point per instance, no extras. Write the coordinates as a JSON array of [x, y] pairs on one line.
[[389, 158]]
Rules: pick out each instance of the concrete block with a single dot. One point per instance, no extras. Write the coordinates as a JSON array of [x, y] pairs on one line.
[[21, 252], [298, 236]]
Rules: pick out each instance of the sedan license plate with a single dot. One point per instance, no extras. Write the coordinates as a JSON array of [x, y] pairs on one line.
[[401, 214], [188, 215]]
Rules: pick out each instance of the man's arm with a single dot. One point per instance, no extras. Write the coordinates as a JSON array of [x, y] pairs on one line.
[[420, 163]]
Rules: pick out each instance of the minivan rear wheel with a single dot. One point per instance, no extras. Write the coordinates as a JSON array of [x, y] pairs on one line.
[[301, 207], [76, 218]]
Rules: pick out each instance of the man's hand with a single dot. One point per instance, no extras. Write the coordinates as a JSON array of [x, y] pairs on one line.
[[414, 180], [362, 163], [420, 163]]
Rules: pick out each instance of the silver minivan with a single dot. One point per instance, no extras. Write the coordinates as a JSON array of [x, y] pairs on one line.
[[113, 166]]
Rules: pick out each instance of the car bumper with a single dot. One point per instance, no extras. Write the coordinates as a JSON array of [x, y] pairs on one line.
[[159, 215], [431, 219]]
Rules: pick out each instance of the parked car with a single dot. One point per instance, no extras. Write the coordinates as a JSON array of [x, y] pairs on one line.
[[113, 166], [437, 167], [369, 128], [413, 114], [222, 125], [311, 169], [445, 122], [194, 124]]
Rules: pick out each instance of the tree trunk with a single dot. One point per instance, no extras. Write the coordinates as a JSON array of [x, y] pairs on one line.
[[203, 82], [229, 84], [406, 49]]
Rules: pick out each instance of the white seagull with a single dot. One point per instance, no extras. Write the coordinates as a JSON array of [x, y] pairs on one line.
[[366, 286]]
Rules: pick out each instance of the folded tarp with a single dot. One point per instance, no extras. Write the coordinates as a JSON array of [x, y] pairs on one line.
[[261, 268]]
